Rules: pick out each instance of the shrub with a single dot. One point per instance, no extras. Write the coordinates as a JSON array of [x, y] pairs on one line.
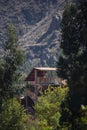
[[12, 116], [48, 108]]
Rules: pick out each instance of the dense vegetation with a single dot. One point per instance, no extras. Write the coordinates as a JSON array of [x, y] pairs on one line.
[[10, 63], [73, 65], [58, 108], [12, 114]]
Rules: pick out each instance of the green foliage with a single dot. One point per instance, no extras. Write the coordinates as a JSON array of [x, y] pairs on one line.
[[69, 44], [13, 116], [82, 122], [48, 108], [73, 63], [10, 63], [47, 116]]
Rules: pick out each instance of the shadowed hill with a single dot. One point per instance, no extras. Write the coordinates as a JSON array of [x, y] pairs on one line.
[[38, 25]]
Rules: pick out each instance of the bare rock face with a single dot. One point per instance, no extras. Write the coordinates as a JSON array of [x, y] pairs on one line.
[[38, 25]]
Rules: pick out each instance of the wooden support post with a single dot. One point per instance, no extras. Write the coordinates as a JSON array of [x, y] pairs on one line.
[[35, 84]]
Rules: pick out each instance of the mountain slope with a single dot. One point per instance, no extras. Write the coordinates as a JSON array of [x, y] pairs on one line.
[[38, 25]]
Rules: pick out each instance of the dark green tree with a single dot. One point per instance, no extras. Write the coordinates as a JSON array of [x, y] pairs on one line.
[[10, 64], [72, 64]]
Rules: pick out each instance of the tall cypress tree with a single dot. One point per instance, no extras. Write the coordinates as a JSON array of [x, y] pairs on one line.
[[11, 62], [73, 62]]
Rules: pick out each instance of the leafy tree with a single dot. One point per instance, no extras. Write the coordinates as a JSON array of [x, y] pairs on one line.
[[83, 118], [48, 108], [73, 62], [47, 115], [10, 64], [12, 116]]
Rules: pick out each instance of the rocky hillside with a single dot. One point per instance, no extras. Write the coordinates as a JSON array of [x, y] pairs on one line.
[[38, 25]]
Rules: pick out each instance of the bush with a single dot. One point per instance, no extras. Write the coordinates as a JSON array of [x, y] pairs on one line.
[[12, 116], [48, 108]]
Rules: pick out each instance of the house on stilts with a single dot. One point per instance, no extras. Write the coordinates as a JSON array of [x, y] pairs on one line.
[[40, 78]]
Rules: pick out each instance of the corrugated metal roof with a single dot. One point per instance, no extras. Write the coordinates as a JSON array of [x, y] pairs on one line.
[[45, 68]]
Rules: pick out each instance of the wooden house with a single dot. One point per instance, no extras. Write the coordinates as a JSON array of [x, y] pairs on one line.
[[40, 78]]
